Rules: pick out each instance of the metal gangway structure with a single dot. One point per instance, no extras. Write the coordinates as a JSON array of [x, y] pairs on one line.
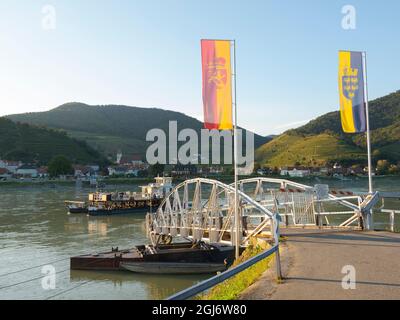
[[203, 209]]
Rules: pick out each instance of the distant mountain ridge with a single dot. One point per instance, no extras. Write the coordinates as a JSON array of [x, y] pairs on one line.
[[322, 140], [111, 128]]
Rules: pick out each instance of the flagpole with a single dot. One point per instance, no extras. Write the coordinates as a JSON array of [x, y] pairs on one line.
[[237, 217], [370, 189]]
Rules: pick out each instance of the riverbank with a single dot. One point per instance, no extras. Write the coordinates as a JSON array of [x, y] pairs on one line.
[[223, 178], [72, 182]]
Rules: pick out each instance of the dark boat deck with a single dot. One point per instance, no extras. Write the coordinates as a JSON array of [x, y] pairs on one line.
[[165, 253], [106, 260]]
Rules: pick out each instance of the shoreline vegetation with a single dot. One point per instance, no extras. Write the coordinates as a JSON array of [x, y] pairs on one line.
[[134, 180], [72, 182], [231, 288]]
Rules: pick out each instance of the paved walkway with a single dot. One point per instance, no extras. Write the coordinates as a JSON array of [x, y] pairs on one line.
[[312, 263]]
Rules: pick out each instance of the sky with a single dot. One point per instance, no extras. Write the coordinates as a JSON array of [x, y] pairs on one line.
[[147, 54]]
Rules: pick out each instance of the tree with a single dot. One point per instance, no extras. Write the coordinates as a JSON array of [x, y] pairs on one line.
[[393, 169], [60, 165], [142, 173], [157, 169], [382, 167], [376, 154]]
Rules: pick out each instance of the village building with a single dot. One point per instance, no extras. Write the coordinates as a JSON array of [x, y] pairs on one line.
[[43, 172], [27, 171], [116, 171], [260, 172], [81, 171], [324, 171], [265, 171], [184, 170], [132, 171], [134, 161], [123, 171], [94, 167], [5, 174], [295, 172], [355, 170], [11, 166], [210, 170]]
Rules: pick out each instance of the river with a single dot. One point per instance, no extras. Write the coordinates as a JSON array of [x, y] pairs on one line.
[[36, 234]]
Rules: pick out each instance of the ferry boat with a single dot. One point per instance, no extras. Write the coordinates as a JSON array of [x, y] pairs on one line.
[[111, 203], [76, 206]]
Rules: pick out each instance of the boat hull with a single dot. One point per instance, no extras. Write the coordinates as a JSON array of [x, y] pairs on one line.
[[176, 253], [105, 212], [172, 268], [77, 210]]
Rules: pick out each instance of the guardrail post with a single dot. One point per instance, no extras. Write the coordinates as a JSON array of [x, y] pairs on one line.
[[275, 225], [370, 220], [366, 220], [278, 265], [392, 221]]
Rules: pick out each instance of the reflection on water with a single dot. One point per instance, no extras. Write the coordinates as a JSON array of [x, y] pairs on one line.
[[156, 286], [97, 228], [35, 230]]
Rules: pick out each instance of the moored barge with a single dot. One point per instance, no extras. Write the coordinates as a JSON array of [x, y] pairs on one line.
[[185, 253], [112, 203]]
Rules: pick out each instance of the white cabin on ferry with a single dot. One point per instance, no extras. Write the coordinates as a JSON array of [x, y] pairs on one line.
[[159, 189]]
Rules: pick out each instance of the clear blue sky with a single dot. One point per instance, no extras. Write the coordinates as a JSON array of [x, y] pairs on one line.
[[147, 53]]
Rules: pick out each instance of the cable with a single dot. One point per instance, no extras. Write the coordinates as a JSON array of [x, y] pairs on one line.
[[30, 268], [40, 265], [70, 289], [29, 280]]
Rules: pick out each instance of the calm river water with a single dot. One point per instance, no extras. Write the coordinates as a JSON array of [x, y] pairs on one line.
[[35, 230]]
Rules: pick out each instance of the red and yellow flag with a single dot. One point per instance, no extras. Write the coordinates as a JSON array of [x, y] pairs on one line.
[[217, 84]]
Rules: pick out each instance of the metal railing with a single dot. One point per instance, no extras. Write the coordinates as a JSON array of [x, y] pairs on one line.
[[209, 283], [391, 212], [389, 201]]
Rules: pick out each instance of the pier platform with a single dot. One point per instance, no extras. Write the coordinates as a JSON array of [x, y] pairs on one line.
[[313, 261]]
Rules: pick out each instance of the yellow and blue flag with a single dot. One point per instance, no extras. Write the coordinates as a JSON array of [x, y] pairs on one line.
[[351, 92]]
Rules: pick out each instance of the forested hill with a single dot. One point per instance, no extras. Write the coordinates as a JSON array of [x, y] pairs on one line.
[[111, 128], [32, 144]]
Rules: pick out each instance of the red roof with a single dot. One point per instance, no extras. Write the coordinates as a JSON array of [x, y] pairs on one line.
[[130, 158], [3, 171], [42, 170]]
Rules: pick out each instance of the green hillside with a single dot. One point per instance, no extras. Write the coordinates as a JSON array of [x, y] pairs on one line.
[[111, 128], [33, 144], [314, 150], [322, 140]]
